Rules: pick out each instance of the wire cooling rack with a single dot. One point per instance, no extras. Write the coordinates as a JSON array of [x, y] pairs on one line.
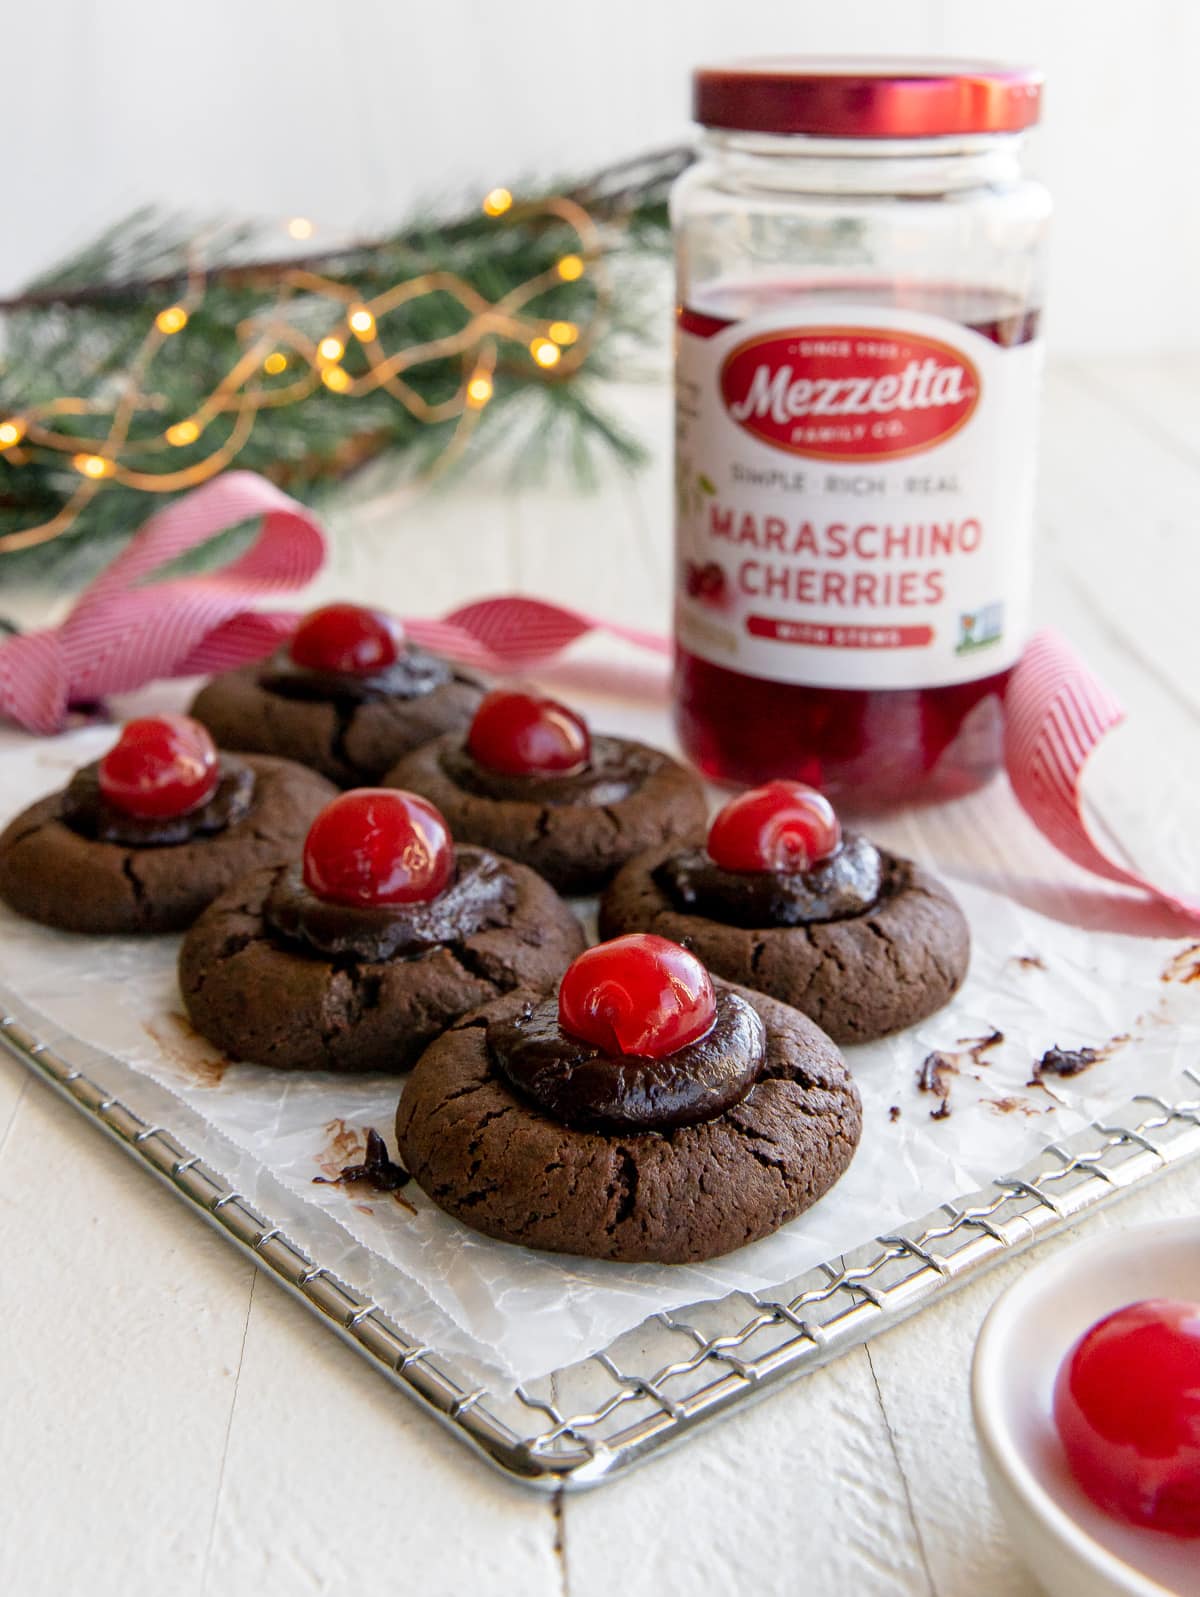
[[656, 1384]]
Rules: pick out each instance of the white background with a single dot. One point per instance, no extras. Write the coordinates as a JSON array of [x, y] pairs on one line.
[[349, 111]]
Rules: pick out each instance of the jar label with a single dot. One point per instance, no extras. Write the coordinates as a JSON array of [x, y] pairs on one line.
[[854, 497]]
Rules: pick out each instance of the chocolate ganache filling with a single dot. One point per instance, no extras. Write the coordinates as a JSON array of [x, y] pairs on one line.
[[482, 894], [580, 1085], [847, 883], [86, 811], [414, 673], [615, 769]]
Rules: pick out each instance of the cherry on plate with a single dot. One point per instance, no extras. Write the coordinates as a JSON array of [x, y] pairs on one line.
[[638, 994], [1127, 1408], [524, 734], [782, 826], [375, 846], [162, 765], [348, 638]]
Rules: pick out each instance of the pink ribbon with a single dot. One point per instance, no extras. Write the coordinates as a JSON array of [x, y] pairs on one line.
[[126, 631], [514, 633], [1056, 714]]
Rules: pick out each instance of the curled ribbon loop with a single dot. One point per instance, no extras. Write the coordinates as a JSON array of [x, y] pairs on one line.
[[1056, 714], [125, 630]]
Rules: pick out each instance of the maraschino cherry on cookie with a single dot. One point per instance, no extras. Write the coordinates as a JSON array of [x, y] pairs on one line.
[[530, 779], [627, 1117], [347, 638], [781, 826], [525, 734], [779, 899], [378, 846], [637, 995], [143, 839], [347, 694], [382, 932], [161, 765]]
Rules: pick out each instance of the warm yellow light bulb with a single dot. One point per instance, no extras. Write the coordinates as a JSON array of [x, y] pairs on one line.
[[92, 465], [479, 390], [275, 363], [545, 352], [570, 268], [497, 201], [11, 432], [331, 349], [183, 432], [563, 332], [362, 322], [300, 227], [173, 320], [337, 378]]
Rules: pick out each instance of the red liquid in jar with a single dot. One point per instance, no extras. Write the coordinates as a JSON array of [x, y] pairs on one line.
[[868, 748]]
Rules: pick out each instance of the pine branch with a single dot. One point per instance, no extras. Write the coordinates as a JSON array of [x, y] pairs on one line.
[[76, 329]]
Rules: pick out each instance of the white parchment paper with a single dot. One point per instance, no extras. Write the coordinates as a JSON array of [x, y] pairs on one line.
[[521, 1314]]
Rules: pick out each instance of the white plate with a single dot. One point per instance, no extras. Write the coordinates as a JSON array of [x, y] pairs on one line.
[[1070, 1545]]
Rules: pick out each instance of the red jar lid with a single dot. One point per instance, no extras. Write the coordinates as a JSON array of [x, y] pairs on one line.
[[861, 98]]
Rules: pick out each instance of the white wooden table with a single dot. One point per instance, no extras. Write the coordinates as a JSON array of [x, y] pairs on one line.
[[171, 1423]]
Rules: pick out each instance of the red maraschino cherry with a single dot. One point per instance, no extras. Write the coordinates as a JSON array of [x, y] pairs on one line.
[[378, 845], [637, 995], [162, 765], [523, 734], [781, 826], [348, 638], [1127, 1407]]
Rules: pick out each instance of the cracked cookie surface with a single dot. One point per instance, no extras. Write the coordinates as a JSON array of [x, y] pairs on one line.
[[576, 846], [51, 873], [352, 742], [265, 999], [858, 978], [501, 1165]]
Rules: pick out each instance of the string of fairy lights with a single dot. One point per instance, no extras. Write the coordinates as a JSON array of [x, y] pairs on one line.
[[276, 347]]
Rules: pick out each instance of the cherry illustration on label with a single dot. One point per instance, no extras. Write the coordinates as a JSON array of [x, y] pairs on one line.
[[639, 995], [162, 765], [375, 846], [347, 638], [524, 734], [708, 583]]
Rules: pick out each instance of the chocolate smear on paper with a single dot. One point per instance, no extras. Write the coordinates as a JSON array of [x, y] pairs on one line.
[[173, 1034], [942, 1063], [1015, 1105], [1184, 966]]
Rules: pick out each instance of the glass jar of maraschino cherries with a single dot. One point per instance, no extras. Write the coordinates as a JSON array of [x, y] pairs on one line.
[[860, 283]]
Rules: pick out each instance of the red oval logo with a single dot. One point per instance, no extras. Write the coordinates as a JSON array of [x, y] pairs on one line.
[[849, 393]]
